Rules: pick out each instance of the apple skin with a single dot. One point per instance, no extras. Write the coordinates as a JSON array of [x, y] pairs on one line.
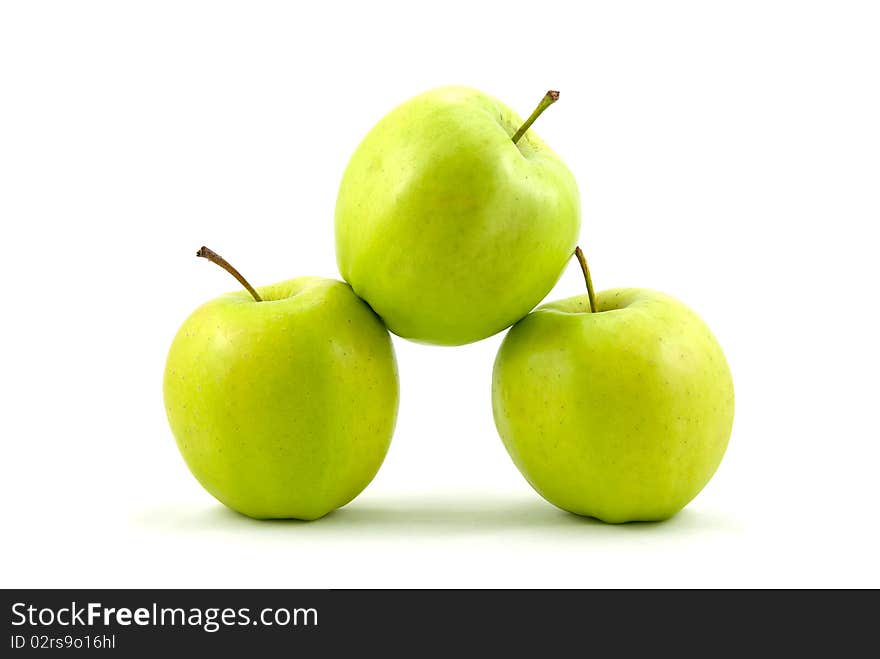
[[283, 408], [624, 414], [449, 230]]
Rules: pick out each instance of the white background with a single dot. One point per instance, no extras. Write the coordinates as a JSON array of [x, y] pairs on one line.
[[727, 153]]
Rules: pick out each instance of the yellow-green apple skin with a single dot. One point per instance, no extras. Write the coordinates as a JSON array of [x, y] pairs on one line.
[[624, 414], [447, 228], [283, 408]]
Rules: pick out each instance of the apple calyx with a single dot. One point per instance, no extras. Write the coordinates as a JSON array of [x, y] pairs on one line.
[[549, 99], [578, 252], [214, 257]]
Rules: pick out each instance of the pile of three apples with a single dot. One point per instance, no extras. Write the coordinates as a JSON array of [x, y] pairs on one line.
[[453, 221]]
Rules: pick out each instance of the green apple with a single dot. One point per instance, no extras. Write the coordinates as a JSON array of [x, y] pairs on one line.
[[283, 407], [450, 222], [623, 414]]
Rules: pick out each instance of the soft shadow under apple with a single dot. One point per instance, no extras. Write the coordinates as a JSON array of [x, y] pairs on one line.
[[430, 516]]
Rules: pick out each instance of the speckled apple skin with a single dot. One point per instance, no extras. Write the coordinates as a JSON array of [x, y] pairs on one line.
[[283, 408], [449, 230], [623, 415]]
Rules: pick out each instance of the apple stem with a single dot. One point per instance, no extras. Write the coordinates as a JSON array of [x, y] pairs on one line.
[[549, 99], [214, 257], [578, 252]]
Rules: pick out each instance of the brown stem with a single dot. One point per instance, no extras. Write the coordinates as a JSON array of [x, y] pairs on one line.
[[549, 99], [214, 257], [586, 270]]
